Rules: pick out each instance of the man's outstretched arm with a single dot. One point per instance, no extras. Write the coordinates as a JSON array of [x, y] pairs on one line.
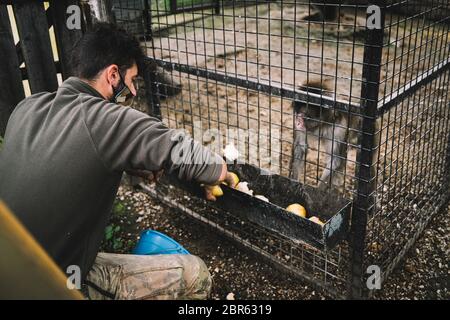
[[126, 139]]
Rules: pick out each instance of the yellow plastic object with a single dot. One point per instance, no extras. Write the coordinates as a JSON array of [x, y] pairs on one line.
[[26, 270]]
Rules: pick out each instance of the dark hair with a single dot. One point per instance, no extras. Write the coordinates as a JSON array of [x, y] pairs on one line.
[[105, 44]]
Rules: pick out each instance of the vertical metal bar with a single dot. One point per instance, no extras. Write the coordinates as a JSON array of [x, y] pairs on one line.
[[447, 157], [10, 76], [150, 79], [363, 206], [147, 19]]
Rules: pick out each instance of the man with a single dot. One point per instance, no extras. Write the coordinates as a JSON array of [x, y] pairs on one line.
[[63, 157]]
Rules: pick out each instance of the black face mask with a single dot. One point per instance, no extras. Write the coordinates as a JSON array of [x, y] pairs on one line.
[[121, 90]]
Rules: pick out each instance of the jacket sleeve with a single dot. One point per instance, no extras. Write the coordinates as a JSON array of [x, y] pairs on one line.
[[127, 139]]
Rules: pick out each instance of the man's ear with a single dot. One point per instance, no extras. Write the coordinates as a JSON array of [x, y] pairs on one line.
[[112, 74]]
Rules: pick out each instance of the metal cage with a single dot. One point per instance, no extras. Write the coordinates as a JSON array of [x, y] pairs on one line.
[[233, 71]]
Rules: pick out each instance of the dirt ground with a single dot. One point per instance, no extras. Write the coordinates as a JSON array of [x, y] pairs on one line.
[[423, 274]]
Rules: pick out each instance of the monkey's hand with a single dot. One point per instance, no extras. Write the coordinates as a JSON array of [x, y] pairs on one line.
[[148, 176]]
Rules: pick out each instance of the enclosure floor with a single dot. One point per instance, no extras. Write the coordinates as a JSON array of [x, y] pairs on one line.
[[422, 274]]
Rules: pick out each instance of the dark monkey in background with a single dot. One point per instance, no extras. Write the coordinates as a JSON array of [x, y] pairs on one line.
[[324, 12], [328, 10]]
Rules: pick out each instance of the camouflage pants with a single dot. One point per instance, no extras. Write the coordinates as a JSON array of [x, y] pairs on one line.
[[152, 277]]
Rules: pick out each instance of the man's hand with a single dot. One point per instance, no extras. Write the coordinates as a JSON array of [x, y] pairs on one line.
[[226, 177], [148, 176]]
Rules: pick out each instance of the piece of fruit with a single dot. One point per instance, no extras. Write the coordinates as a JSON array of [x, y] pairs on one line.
[[243, 187], [297, 209], [316, 220], [262, 198], [216, 191], [235, 179]]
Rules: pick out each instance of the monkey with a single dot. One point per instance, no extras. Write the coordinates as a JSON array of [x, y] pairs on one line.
[[327, 11], [324, 12], [335, 130]]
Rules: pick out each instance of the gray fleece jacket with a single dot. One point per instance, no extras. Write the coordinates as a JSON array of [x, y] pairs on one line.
[[62, 161]]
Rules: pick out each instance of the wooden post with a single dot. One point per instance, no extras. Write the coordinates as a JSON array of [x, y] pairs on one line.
[[65, 38], [36, 47], [10, 77]]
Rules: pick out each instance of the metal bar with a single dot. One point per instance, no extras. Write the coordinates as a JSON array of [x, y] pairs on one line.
[[412, 86], [12, 90], [150, 80], [363, 206], [272, 89], [147, 19]]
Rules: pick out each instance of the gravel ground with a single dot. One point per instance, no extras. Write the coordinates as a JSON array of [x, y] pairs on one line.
[[423, 274]]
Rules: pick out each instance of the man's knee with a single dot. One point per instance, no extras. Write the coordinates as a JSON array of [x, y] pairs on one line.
[[197, 278]]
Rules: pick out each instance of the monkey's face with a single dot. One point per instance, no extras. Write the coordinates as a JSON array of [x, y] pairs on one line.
[[300, 121], [306, 116]]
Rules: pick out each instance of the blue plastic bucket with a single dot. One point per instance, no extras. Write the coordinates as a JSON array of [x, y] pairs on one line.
[[154, 242]]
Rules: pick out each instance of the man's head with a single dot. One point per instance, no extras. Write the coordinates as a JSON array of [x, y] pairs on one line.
[[108, 58]]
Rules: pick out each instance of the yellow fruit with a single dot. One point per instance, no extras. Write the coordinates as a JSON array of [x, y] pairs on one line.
[[297, 209], [235, 178], [316, 220], [216, 191]]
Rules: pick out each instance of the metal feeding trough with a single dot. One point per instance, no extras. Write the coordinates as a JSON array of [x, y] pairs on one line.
[[328, 205]]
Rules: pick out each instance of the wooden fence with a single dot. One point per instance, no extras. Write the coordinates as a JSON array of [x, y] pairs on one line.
[[33, 21]]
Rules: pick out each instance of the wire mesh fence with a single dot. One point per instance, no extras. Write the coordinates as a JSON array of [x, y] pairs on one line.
[[348, 95]]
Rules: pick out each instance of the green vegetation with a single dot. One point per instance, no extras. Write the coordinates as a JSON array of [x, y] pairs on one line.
[[115, 239], [112, 237], [1, 142], [118, 208]]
